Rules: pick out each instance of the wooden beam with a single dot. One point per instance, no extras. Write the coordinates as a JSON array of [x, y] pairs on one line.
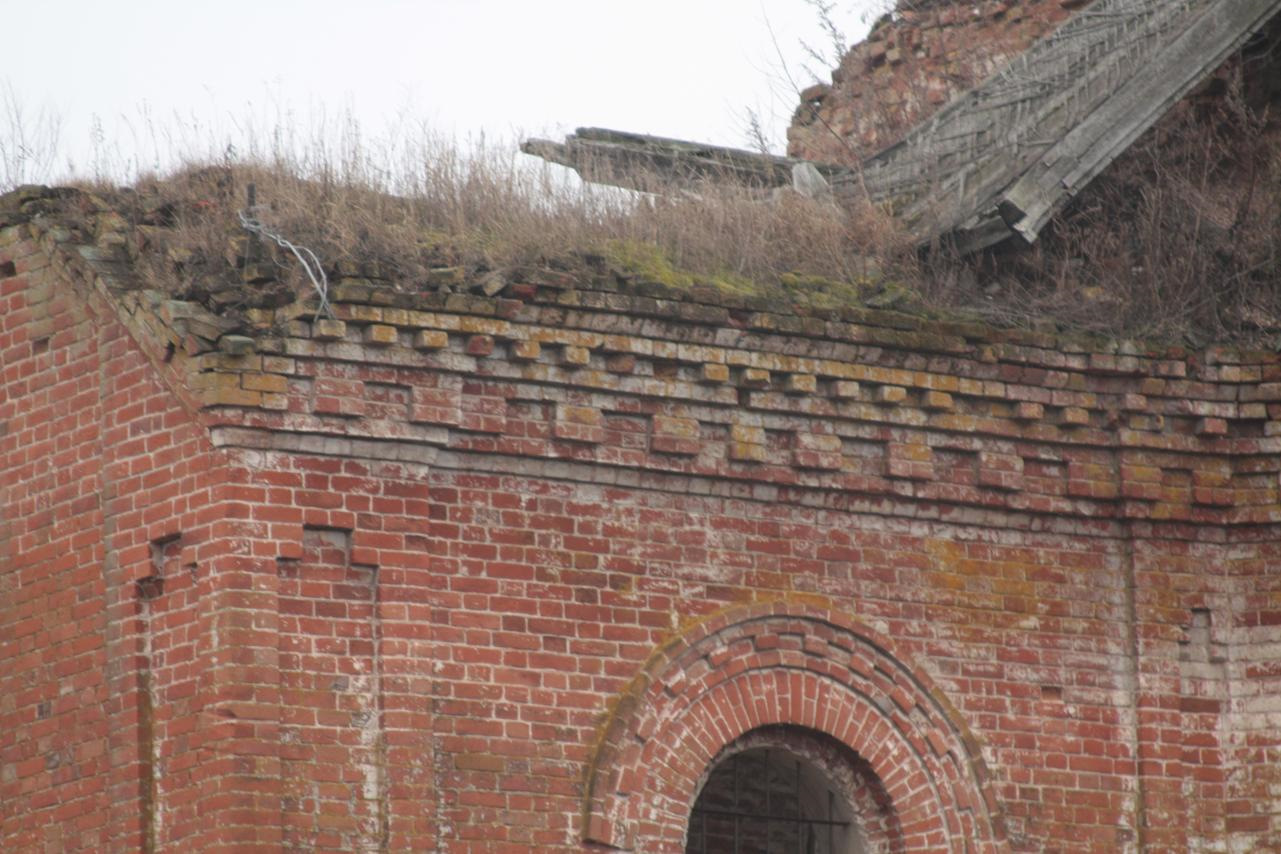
[[641, 162], [1000, 160], [1045, 188]]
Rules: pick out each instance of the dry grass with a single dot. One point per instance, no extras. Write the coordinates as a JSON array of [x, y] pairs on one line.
[[29, 145], [1179, 239], [410, 213]]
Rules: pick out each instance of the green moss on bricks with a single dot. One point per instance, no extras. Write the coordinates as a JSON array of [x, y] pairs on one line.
[[647, 262], [652, 271], [819, 292]]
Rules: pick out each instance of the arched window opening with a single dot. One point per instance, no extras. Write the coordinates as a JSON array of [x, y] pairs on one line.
[[769, 801], [780, 790]]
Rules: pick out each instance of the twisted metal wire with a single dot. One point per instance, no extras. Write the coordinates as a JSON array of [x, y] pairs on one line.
[[310, 262]]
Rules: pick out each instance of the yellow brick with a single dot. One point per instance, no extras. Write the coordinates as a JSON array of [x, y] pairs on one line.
[[891, 394], [366, 313], [886, 376], [802, 384], [1152, 386], [431, 320], [484, 326], [1146, 474], [820, 442], [624, 344], [328, 329], [431, 339], [1026, 410], [229, 362], [845, 389], [667, 425], [578, 414], [260, 316], [480, 762], [211, 380], [396, 316], [571, 338], [278, 364], [747, 452], [913, 452], [1075, 415], [747, 434], [381, 335], [264, 382], [937, 400], [1212, 476], [526, 351], [576, 356], [941, 382], [714, 372], [230, 397]]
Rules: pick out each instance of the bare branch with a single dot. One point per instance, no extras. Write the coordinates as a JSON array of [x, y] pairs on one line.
[[29, 144]]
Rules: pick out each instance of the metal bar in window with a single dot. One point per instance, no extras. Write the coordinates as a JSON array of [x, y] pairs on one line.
[[737, 757], [831, 842], [800, 838], [780, 818]]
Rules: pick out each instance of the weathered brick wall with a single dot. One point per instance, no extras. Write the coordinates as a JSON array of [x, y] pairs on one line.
[[466, 573], [120, 538], [913, 62], [55, 720]]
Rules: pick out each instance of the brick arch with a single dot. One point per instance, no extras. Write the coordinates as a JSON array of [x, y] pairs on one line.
[[784, 664], [842, 771]]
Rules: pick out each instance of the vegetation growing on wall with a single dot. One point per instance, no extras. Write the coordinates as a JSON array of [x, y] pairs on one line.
[[457, 219], [1180, 239]]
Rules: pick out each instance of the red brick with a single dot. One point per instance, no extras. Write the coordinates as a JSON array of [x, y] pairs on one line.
[[445, 602]]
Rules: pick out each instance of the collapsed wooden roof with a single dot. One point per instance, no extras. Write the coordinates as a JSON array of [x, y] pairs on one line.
[[1005, 157]]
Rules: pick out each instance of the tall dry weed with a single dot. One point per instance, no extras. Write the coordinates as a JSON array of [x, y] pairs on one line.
[[1180, 237], [411, 207]]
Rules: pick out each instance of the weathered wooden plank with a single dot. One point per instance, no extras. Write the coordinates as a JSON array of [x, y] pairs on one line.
[[642, 162], [1080, 65], [1001, 159], [1095, 142]]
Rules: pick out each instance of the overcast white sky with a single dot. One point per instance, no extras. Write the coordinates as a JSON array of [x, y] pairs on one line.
[[149, 70]]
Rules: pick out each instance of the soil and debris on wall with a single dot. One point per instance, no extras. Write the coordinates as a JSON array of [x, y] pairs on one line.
[[1180, 239]]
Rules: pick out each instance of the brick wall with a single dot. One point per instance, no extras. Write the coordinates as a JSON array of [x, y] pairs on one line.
[[469, 573], [913, 62], [120, 541]]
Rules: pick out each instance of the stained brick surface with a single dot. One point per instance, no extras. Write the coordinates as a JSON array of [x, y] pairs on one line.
[[914, 61], [475, 584]]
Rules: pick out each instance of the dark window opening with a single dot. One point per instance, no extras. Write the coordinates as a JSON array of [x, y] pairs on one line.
[[771, 801]]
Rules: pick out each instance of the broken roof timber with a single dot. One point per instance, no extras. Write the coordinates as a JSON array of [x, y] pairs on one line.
[[1003, 158], [1045, 188], [1006, 156], [950, 165], [641, 162]]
